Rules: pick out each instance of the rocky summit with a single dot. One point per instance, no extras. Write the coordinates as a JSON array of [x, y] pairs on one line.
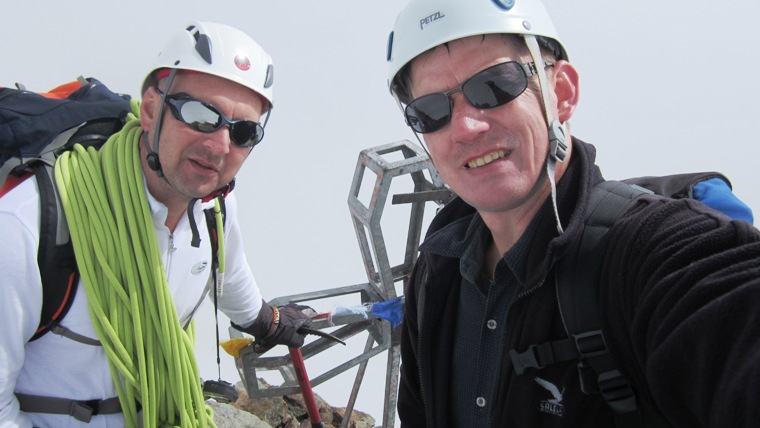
[[287, 411]]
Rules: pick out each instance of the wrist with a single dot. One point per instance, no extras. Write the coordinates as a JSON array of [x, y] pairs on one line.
[[275, 322], [264, 325]]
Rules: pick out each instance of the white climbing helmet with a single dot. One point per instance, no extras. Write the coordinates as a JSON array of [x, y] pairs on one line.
[[425, 24], [219, 50]]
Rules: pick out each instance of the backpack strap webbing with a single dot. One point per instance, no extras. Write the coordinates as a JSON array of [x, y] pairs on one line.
[[57, 264], [81, 410], [577, 280], [577, 294]]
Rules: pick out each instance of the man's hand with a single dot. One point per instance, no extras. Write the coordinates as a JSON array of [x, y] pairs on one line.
[[288, 319], [279, 326]]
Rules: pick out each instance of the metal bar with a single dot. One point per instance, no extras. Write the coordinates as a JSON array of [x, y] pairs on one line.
[[391, 380], [349, 364], [357, 385], [438, 195], [382, 278]]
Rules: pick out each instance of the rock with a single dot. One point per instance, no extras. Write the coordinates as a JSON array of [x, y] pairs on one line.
[[226, 416], [358, 419], [287, 412]]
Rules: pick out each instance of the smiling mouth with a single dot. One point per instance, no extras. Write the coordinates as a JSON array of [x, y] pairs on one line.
[[485, 160]]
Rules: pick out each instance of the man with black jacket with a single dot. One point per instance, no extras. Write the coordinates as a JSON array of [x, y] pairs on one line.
[[489, 85]]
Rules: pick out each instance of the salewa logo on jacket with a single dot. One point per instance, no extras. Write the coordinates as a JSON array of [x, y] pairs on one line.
[[553, 406]]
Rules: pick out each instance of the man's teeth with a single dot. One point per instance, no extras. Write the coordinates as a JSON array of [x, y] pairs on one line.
[[485, 160]]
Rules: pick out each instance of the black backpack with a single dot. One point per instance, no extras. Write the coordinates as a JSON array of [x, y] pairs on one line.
[[578, 301], [35, 128]]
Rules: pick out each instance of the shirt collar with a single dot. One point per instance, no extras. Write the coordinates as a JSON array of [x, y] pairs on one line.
[[467, 239]]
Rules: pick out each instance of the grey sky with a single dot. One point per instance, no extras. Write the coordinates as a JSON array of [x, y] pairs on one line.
[[666, 87]]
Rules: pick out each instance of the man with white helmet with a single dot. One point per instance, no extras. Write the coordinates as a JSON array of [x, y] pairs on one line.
[[489, 86], [124, 356]]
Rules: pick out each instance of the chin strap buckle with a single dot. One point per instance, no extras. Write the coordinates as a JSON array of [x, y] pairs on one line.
[[557, 142]]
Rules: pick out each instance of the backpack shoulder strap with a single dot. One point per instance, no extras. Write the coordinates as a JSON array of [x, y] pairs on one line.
[[57, 263], [577, 283], [577, 288], [580, 268], [577, 294]]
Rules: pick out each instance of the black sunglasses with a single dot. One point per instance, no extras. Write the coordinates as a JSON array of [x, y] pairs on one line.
[[206, 118], [489, 88]]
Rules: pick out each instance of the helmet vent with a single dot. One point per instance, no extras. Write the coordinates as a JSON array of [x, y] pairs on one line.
[[203, 47], [202, 43], [390, 46], [505, 4], [270, 76]]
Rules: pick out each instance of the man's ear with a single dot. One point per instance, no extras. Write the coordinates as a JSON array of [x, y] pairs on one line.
[[149, 108], [566, 89]]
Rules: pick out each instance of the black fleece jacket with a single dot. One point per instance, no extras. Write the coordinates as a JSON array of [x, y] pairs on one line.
[[679, 298]]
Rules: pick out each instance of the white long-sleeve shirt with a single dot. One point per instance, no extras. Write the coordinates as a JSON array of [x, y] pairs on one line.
[[60, 367]]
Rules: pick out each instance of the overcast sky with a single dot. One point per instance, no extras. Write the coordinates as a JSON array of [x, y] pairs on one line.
[[666, 87]]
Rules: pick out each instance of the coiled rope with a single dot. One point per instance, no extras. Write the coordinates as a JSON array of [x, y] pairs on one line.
[[150, 356]]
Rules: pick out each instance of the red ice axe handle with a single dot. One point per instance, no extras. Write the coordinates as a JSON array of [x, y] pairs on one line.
[[305, 384]]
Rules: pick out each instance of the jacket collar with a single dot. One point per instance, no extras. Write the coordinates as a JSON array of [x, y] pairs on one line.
[[573, 192]]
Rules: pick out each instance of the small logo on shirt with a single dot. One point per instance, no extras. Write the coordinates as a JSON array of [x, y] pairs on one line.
[[554, 405], [199, 268]]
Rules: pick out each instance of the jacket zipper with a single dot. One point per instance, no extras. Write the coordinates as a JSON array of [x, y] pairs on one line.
[[532, 290], [421, 318], [171, 251]]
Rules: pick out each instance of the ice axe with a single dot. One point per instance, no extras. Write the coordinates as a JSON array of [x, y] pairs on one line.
[[305, 384], [303, 378], [320, 333]]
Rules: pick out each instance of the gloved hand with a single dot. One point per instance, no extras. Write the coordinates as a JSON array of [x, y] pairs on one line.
[[279, 326]]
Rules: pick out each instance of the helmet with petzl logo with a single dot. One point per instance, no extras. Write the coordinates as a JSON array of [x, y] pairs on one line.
[[219, 50], [425, 24]]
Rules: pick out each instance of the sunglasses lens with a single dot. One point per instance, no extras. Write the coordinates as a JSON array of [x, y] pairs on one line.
[[200, 117], [490, 88], [246, 133], [495, 86], [429, 113], [206, 118]]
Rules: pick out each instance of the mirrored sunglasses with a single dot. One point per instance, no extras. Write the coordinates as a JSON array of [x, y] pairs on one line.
[[206, 118], [493, 87]]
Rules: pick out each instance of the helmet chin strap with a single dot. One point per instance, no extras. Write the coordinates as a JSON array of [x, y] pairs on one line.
[[152, 153], [557, 140]]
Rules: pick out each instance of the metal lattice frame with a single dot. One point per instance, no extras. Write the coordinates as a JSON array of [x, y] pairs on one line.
[[381, 285]]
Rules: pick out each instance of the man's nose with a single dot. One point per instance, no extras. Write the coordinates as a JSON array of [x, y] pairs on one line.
[[465, 118], [219, 141]]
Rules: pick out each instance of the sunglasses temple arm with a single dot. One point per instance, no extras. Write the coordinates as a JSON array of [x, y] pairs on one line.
[[416, 135]]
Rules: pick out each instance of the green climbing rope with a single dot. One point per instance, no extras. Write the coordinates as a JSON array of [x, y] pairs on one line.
[[150, 356]]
